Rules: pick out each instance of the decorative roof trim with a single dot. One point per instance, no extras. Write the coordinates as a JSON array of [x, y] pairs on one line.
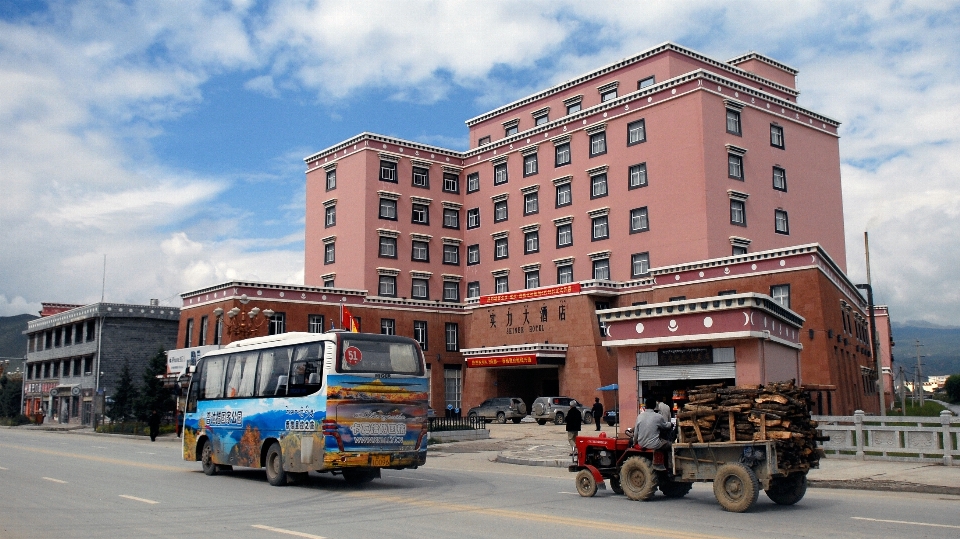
[[500, 272], [388, 233], [451, 277], [530, 189], [421, 200], [417, 274], [330, 166], [389, 194], [562, 180], [739, 242], [599, 255], [562, 139], [540, 112], [387, 156], [499, 160], [599, 212], [500, 235], [421, 164], [765, 59], [451, 241], [328, 203], [733, 104], [530, 267], [608, 86], [602, 169], [452, 169], [451, 205], [568, 101], [415, 236], [329, 239], [500, 197], [529, 150], [737, 150], [737, 195], [511, 123], [532, 227], [564, 261], [595, 128], [563, 220], [393, 272]]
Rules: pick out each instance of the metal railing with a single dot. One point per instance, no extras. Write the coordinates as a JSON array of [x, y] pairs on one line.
[[457, 423], [903, 438]]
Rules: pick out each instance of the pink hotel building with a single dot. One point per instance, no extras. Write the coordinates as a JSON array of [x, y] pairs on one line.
[[583, 202]]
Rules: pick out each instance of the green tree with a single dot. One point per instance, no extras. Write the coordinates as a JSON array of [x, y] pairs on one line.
[[124, 396], [952, 388], [153, 396], [10, 391]]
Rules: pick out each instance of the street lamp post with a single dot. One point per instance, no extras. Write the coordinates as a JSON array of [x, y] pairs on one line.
[[242, 323]]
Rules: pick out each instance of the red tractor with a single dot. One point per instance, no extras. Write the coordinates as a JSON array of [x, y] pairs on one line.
[[632, 470]]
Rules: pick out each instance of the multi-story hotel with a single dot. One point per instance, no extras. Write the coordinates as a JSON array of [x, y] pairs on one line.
[[665, 181]]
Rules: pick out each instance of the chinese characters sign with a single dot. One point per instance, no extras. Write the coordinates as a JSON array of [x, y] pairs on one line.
[[503, 361], [531, 294]]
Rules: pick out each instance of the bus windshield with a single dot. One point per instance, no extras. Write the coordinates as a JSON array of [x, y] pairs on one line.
[[374, 356]]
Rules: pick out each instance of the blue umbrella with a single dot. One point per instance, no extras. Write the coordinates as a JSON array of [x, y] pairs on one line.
[[612, 387]]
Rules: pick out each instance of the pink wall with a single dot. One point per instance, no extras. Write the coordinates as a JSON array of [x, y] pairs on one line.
[[768, 71]]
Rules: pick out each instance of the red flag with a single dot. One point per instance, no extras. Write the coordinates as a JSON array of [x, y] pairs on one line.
[[348, 322]]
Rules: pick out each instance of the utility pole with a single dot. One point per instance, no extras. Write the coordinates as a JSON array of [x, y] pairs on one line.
[[903, 392], [919, 372], [874, 343]]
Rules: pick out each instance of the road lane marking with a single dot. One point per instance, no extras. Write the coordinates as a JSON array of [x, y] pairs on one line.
[[54, 480], [287, 532], [144, 500], [411, 478], [2, 468], [631, 529], [908, 522], [96, 459]]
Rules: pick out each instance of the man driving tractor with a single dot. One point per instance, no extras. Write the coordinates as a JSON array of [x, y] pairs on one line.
[[651, 428]]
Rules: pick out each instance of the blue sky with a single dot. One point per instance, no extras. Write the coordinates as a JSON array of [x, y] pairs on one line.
[[170, 135]]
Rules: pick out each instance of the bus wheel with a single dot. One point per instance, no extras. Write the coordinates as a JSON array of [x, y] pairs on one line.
[[275, 474], [206, 459], [358, 477]]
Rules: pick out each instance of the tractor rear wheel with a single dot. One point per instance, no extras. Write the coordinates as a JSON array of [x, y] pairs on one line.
[[637, 479]]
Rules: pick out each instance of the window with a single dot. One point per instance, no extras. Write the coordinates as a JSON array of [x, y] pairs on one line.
[[531, 203], [735, 166], [420, 251], [483, 140], [451, 218], [388, 171], [540, 120], [388, 209], [598, 186], [776, 136], [329, 253], [331, 179], [529, 165], [388, 326], [473, 182], [473, 254], [203, 332], [510, 131], [638, 176], [421, 177], [452, 385], [388, 247], [501, 285], [473, 289], [500, 249], [420, 333], [601, 228], [564, 196], [779, 179], [451, 291], [531, 278], [451, 254], [565, 274], [609, 95], [387, 286], [564, 235], [531, 242], [562, 152], [330, 216], [328, 283], [738, 214], [739, 250], [453, 340], [639, 264], [601, 269], [643, 83], [499, 211], [187, 338], [726, 292], [315, 323], [733, 122], [451, 183], [421, 214], [420, 289], [473, 218], [278, 324], [636, 132], [782, 225], [573, 107], [598, 144], [638, 220], [781, 294], [218, 330], [678, 298], [500, 174]]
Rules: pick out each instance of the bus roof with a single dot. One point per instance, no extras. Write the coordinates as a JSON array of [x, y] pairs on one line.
[[297, 337]]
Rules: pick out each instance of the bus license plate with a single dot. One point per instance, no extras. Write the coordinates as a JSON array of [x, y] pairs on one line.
[[380, 460]]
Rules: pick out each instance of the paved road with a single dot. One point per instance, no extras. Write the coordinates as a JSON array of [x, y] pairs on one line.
[[70, 485]]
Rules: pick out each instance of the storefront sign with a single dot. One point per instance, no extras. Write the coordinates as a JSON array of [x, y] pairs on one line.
[[502, 361], [539, 293], [700, 355], [178, 360], [35, 388]]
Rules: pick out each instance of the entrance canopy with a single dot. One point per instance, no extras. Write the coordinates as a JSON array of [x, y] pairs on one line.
[[523, 355]]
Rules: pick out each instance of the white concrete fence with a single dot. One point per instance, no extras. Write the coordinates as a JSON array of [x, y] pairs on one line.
[[903, 438]]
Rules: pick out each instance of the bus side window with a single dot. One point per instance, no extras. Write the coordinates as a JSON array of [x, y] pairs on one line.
[[194, 390], [241, 373], [212, 378], [274, 366], [306, 372]]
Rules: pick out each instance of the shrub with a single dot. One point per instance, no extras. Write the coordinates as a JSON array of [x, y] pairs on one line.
[[952, 388]]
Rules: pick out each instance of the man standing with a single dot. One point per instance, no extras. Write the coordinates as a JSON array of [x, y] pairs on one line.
[[154, 423], [663, 408], [597, 412], [649, 424], [574, 420]]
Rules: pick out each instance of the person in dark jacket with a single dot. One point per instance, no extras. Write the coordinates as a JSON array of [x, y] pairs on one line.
[[574, 421], [597, 412], [154, 423]]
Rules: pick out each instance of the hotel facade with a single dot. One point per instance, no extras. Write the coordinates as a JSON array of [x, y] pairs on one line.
[[610, 229]]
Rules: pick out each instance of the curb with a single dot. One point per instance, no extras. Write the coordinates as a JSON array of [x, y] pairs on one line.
[[553, 463]]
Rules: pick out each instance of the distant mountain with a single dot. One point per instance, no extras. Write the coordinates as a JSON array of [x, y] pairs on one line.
[[13, 343], [941, 346]]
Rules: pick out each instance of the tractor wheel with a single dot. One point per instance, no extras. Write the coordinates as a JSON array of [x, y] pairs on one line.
[[586, 484], [558, 419], [615, 485], [637, 479], [788, 490], [736, 487], [674, 489]]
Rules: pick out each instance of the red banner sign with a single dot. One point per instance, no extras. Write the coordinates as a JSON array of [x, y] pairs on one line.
[[539, 293], [502, 361]]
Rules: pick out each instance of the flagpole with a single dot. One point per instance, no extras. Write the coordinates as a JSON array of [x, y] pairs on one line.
[[341, 314]]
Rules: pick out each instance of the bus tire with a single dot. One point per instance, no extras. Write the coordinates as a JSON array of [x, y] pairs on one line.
[[736, 487], [206, 459], [298, 478], [358, 477], [276, 475]]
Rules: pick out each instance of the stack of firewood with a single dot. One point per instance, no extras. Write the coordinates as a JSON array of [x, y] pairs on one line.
[[775, 411]]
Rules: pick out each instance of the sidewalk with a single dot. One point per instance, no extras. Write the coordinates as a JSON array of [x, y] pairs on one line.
[[532, 445]]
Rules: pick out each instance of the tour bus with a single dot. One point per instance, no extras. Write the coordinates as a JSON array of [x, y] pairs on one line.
[[338, 402]]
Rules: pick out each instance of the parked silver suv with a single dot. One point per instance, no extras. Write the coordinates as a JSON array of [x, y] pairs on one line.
[[501, 409], [555, 409]]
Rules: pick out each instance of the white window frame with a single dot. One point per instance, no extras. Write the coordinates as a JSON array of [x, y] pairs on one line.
[[639, 264], [639, 220]]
